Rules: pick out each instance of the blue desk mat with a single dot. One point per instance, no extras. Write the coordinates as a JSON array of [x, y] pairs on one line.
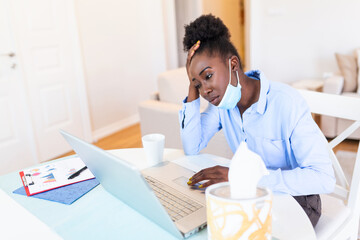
[[96, 215], [66, 194]]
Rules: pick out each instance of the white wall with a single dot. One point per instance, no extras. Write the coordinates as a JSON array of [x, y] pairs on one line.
[[292, 40], [123, 51]]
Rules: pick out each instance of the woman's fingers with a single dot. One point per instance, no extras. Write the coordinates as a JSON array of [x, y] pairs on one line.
[[208, 183], [192, 51], [194, 48], [193, 91], [214, 175], [199, 176]]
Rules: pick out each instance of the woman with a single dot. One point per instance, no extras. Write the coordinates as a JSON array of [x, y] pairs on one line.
[[271, 117]]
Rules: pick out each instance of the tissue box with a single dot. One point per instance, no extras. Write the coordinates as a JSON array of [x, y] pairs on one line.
[[229, 218]]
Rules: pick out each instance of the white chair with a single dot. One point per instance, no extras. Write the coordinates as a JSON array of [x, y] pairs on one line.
[[341, 209]]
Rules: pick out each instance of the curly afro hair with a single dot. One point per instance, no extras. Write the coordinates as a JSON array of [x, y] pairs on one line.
[[214, 37]]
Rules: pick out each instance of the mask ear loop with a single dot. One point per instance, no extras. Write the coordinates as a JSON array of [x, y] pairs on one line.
[[237, 76], [237, 73]]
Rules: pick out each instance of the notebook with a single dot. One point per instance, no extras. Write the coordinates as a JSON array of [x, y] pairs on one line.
[[157, 192], [66, 194]]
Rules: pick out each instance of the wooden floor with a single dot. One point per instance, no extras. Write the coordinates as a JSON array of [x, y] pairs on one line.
[[127, 138], [131, 138], [348, 145]]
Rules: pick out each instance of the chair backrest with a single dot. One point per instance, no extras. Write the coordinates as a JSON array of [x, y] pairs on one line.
[[346, 108]]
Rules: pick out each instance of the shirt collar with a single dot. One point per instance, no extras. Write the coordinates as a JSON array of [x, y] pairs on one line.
[[264, 89]]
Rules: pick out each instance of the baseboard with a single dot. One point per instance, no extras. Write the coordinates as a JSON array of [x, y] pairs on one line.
[[115, 127]]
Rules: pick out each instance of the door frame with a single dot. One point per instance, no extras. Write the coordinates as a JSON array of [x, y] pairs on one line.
[[78, 69], [84, 104]]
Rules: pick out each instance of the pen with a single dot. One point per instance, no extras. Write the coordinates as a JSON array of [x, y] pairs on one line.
[[77, 173]]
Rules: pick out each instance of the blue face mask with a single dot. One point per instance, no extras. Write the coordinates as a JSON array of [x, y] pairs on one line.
[[232, 94]]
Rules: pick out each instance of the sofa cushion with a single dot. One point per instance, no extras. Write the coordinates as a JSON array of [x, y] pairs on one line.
[[348, 67], [334, 85], [173, 87]]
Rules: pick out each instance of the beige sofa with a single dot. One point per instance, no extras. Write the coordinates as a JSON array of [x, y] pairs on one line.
[[345, 83], [330, 126], [159, 114]]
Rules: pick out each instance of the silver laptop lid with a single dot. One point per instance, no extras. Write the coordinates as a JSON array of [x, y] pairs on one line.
[[122, 180]]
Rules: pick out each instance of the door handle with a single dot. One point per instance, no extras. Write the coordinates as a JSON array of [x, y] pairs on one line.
[[10, 54]]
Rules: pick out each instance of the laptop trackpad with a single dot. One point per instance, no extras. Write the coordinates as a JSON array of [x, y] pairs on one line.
[[182, 181]]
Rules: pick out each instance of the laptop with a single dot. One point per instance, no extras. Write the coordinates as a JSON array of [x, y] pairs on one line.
[[159, 193]]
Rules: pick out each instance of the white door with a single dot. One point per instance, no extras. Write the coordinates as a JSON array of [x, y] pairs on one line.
[[16, 145], [47, 37]]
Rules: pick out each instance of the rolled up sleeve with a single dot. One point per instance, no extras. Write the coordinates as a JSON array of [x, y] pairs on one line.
[[196, 129]]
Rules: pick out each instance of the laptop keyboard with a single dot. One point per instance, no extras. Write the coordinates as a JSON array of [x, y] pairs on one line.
[[175, 203]]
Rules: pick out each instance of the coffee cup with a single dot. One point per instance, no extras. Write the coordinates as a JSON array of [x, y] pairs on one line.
[[154, 148]]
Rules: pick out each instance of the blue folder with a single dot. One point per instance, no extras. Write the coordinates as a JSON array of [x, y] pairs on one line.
[[66, 194]]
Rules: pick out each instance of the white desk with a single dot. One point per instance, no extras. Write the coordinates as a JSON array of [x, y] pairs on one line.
[[18, 223], [99, 215]]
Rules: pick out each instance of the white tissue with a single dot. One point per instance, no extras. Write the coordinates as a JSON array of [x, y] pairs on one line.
[[246, 169]]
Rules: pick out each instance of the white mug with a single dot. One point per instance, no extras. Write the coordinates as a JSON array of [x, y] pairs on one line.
[[154, 148]]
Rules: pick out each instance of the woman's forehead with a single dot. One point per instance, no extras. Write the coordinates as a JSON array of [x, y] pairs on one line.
[[200, 61]]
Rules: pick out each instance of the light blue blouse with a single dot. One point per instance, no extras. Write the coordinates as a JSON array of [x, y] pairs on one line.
[[279, 127]]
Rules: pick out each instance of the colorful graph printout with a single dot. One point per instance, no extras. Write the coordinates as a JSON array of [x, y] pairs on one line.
[[53, 175], [49, 178]]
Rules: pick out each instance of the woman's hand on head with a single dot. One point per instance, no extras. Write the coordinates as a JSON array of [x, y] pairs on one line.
[[191, 53], [213, 175], [193, 91]]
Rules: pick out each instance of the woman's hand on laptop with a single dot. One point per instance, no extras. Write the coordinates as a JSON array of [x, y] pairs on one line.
[[213, 175]]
